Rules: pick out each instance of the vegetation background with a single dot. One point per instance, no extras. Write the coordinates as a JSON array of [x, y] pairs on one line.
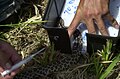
[[28, 36]]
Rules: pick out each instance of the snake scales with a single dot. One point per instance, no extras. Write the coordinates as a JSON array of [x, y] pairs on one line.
[[39, 71], [64, 63]]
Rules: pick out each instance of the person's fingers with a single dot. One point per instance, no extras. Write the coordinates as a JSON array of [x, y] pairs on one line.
[[90, 26], [81, 3], [112, 20], [12, 74], [7, 77], [9, 53], [1, 69], [76, 20], [16, 58], [7, 49], [3, 58], [101, 25], [105, 6], [6, 65]]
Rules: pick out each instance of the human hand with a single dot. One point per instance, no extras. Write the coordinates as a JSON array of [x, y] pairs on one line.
[[8, 57], [91, 12]]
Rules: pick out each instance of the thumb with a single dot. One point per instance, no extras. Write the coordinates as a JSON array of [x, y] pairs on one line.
[[4, 59], [1, 70], [7, 65]]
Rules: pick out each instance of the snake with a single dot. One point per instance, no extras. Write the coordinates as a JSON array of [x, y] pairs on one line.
[[64, 63], [43, 71]]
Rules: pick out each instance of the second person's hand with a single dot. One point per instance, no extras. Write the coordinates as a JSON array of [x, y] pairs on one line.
[[90, 12], [8, 57]]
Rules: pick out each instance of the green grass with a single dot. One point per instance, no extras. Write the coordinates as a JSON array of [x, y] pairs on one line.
[[104, 69], [28, 36]]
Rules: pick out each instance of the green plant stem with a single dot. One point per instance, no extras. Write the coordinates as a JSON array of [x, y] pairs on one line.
[[110, 67]]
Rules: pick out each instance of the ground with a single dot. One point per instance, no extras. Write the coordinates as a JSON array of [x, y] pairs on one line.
[[28, 36]]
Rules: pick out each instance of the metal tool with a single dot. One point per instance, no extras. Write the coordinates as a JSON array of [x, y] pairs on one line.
[[24, 61]]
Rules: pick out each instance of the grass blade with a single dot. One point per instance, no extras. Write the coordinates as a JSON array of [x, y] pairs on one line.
[[110, 67]]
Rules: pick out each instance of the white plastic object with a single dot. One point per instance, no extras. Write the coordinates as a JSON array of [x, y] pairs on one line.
[[24, 61]]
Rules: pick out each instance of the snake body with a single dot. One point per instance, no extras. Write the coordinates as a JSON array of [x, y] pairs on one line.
[[39, 71], [63, 64]]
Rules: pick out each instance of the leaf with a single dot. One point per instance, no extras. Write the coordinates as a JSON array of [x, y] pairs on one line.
[[110, 67]]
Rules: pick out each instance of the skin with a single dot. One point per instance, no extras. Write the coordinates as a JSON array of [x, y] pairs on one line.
[[90, 12], [8, 57]]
